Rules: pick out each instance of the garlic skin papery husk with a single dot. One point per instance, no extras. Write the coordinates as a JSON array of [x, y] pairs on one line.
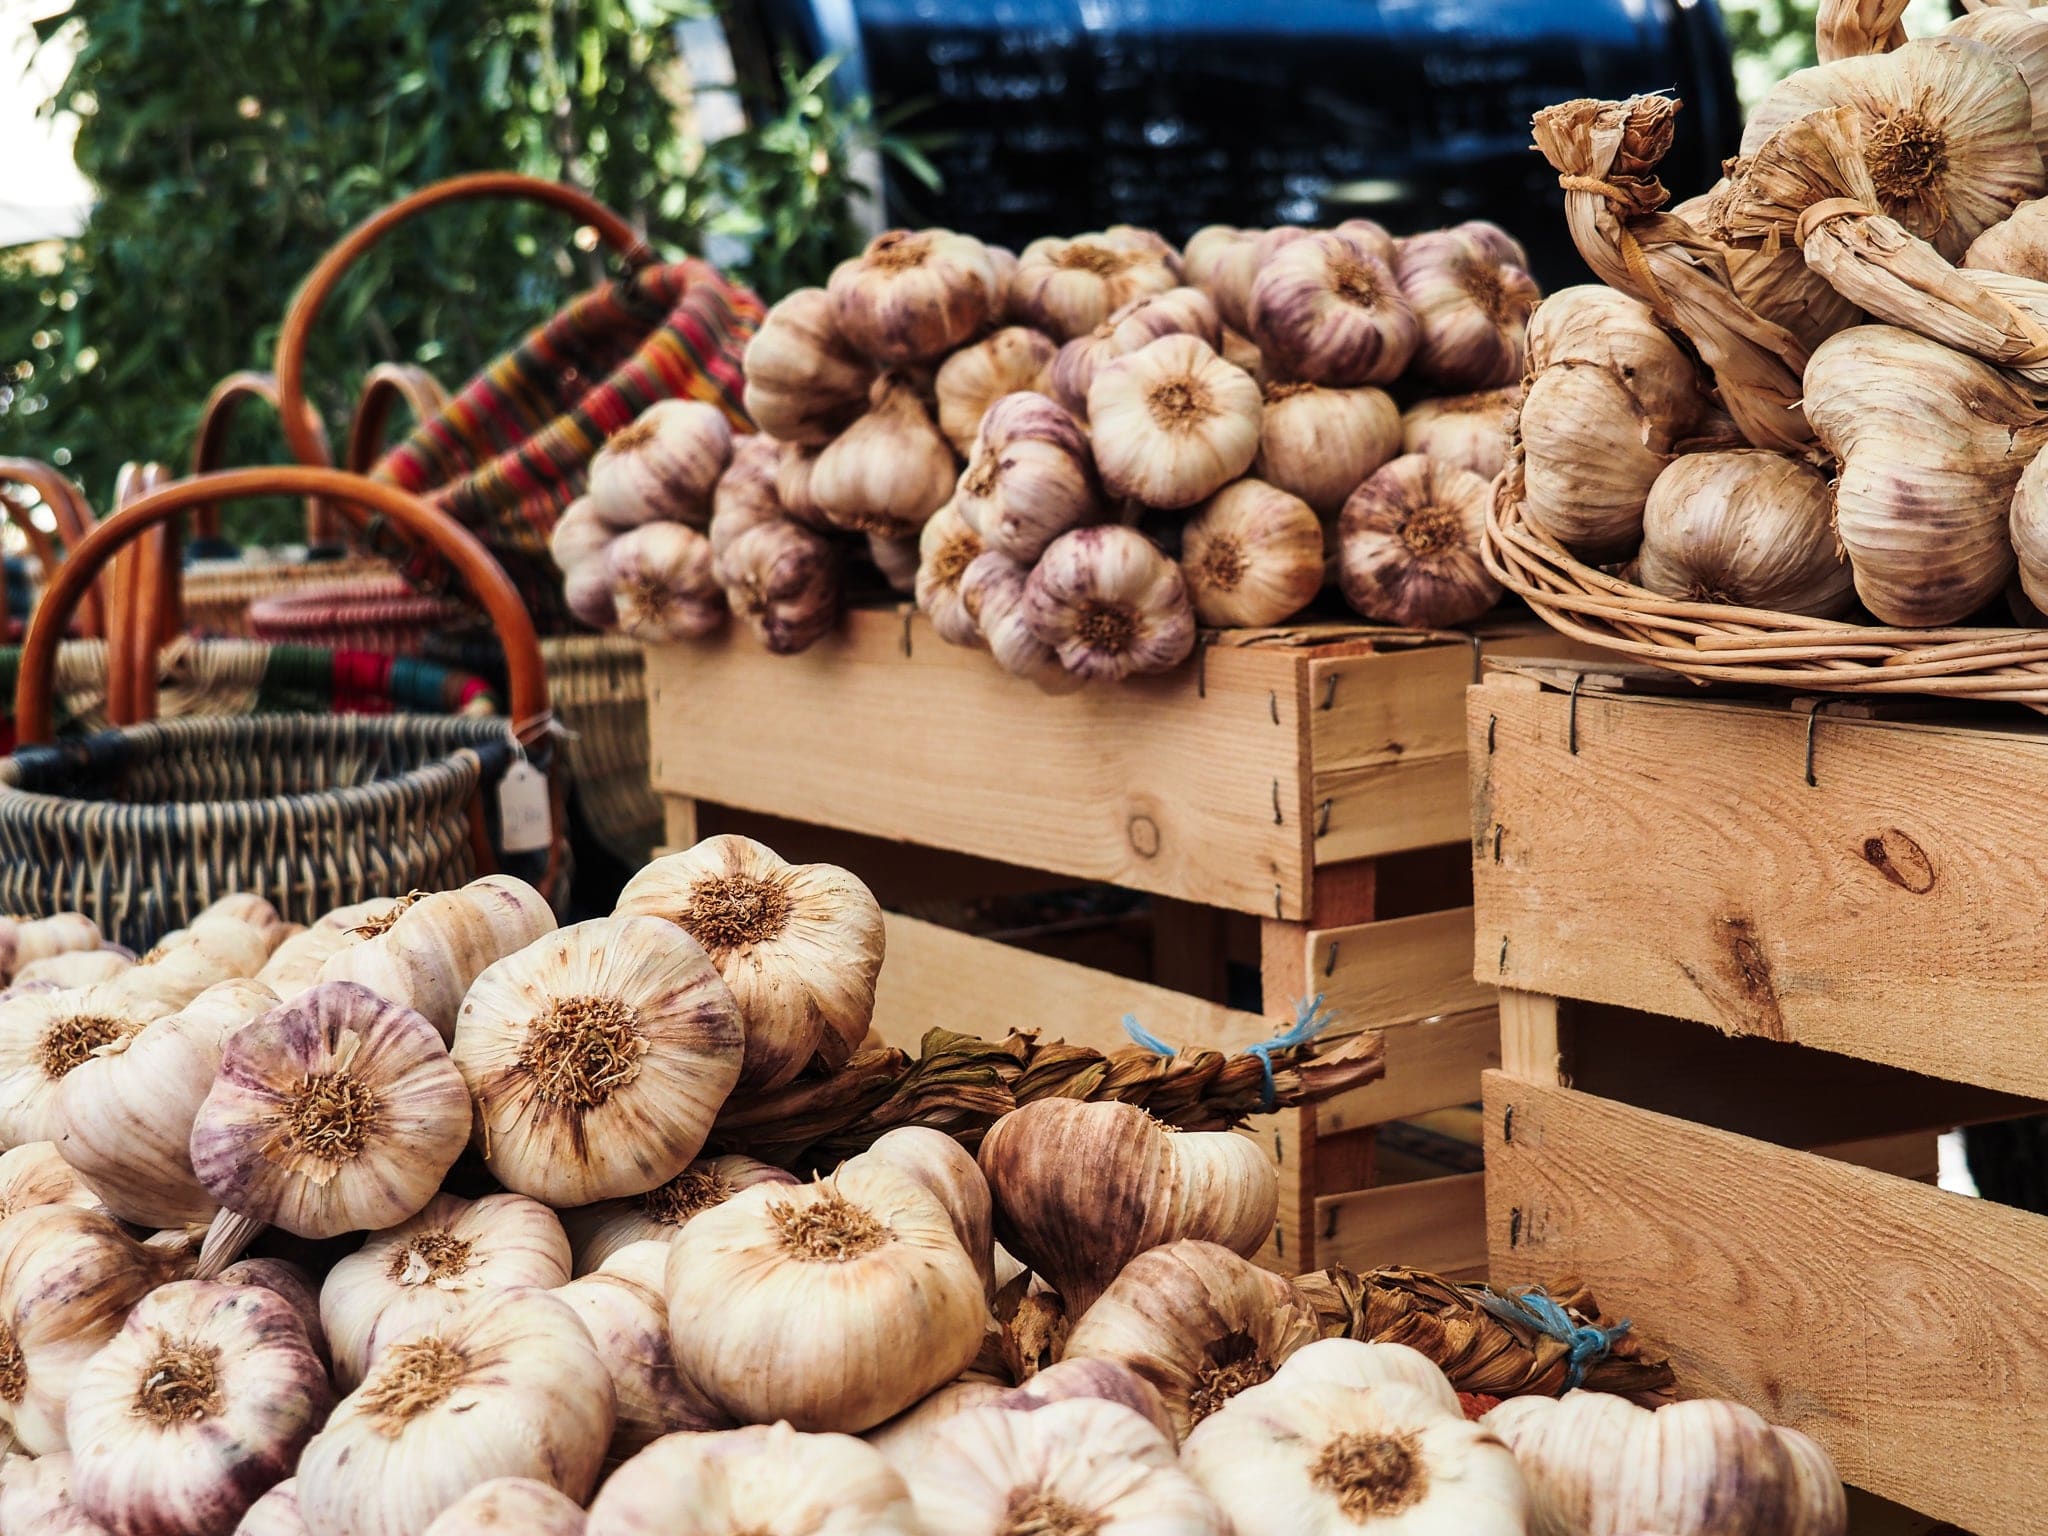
[[433, 949], [35, 1498], [424, 1271], [745, 496], [1176, 312], [1198, 1322], [1947, 127], [1473, 310], [948, 1173], [1930, 447], [285, 1279], [1748, 527], [510, 1506], [2029, 525], [597, 1057], [596, 1232], [1110, 1380], [1221, 261], [993, 589], [946, 547], [44, 1036], [795, 465], [34, 1174], [975, 378], [805, 381], [1326, 1457], [1031, 478], [1173, 423], [1081, 1189], [914, 295], [68, 1278], [663, 585], [2020, 37], [185, 963], [1597, 1465], [627, 1319], [128, 1110], [1110, 604], [799, 945], [1408, 545], [765, 1480], [296, 963], [1078, 1466], [661, 466], [513, 1389], [1465, 431], [76, 967], [2018, 246], [1590, 453], [890, 470], [201, 1402], [896, 560], [1068, 287], [905, 1438], [832, 1305], [783, 581], [335, 1112], [1328, 310], [1252, 555], [1320, 443], [24, 940], [577, 546], [276, 1513]]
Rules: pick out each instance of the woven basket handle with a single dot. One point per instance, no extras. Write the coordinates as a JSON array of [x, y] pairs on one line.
[[210, 451], [146, 607], [68, 505], [388, 385], [34, 693]]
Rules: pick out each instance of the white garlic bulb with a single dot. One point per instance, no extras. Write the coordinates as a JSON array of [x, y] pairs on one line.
[[577, 546], [896, 559], [1252, 555], [1330, 311], [24, 940], [765, 1480], [275, 1514], [663, 586], [662, 466], [746, 495], [423, 1272], [34, 1174], [890, 470], [1749, 527], [1031, 477], [832, 1305], [335, 1112], [904, 1439], [1468, 431], [627, 1320], [513, 1389], [783, 581], [1173, 423], [946, 546], [597, 1057], [795, 466], [1110, 1381], [800, 946], [35, 1498], [283, 1278], [186, 962], [1110, 604], [1408, 545], [975, 378], [1221, 260], [596, 1232], [805, 381], [992, 591], [915, 295], [510, 1506], [296, 963], [1068, 287], [202, 1401], [948, 1173], [76, 967], [46, 1035], [1177, 312], [1472, 308], [1319, 444]]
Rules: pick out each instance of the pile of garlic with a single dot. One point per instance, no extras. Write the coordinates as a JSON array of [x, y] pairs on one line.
[[499, 1284]]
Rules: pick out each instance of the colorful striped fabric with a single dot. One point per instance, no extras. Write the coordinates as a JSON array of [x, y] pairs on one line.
[[509, 452]]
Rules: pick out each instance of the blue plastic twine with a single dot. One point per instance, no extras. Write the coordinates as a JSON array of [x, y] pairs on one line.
[[1587, 1343], [1310, 1020]]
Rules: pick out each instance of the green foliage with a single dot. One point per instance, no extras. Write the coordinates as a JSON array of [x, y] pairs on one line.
[[1770, 39]]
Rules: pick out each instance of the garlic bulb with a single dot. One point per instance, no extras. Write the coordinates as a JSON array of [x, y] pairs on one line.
[[35, 1498], [433, 949], [663, 587], [1031, 477], [44, 1036], [1408, 545], [513, 1389], [1597, 1465], [1176, 312], [1108, 1380], [1252, 555], [202, 1400], [915, 295], [904, 1439], [1068, 287], [745, 495], [2019, 245], [596, 1232], [1748, 527], [1221, 261], [296, 963], [2020, 37], [2029, 526], [1362, 1367], [1197, 1322], [975, 378], [24, 940], [784, 582], [185, 963], [1078, 1466], [832, 1305], [275, 1514], [896, 559], [1324, 1457], [248, 908], [128, 1110], [1591, 452], [1328, 310], [1463, 431], [993, 589], [948, 1173], [1375, 238], [68, 1278], [794, 468], [76, 967], [1320, 443], [597, 1057], [288, 1281], [1930, 447], [34, 1174], [1271, 242], [577, 546], [890, 470], [1173, 423], [765, 1480], [628, 1322], [1473, 310], [1082, 1189], [335, 1112], [946, 546], [423, 1272], [519, 1506], [662, 466], [1110, 604], [800, 946], [805, 381], [1596, 325], [1495, 241]]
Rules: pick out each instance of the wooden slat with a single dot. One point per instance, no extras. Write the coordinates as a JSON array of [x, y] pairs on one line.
[[1191, 785], [1904, 1328], [1373, 975], [1914, 1155], [1680, 863], [1433, 1224], [1429, 1066], [1360, 813]]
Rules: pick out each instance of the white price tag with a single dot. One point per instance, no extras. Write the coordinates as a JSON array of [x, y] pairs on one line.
[[525, 819]]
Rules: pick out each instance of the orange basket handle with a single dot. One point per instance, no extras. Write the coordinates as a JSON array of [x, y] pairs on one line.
[[209, 452], [68, 505], [147, 602], [387, 385]]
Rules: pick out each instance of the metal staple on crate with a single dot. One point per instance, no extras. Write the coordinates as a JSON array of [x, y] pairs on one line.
[[1812, 719], [1572, 715]]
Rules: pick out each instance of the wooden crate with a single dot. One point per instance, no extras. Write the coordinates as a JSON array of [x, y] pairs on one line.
[[1276, 786], [1735, 936]]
